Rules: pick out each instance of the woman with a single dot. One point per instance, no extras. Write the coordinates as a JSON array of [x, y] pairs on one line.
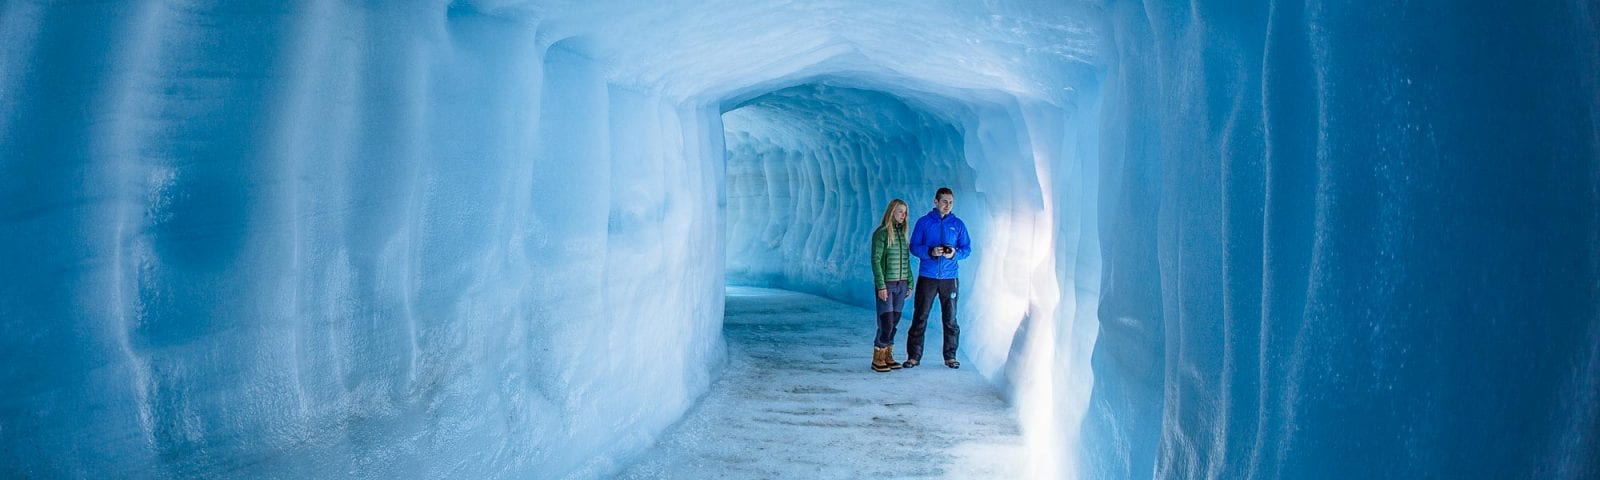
[[891, 273]]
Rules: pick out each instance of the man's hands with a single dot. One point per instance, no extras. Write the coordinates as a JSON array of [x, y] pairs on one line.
[[942, 251]]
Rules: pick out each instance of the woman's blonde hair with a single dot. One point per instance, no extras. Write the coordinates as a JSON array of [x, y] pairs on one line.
[[888, 220]]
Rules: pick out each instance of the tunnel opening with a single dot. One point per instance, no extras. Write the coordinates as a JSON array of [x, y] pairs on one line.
[[810, 169]]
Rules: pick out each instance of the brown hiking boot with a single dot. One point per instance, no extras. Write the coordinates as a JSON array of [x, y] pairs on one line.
[[888, 358], [878, 354]]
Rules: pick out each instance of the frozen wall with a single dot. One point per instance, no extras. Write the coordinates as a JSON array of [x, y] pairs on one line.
[[1350, 242], [330, 240]]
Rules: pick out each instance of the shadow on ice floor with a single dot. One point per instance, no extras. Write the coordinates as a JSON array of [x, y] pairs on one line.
[[798, 400]]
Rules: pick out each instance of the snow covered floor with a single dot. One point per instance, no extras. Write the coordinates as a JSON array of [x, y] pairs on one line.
[[798, 401]]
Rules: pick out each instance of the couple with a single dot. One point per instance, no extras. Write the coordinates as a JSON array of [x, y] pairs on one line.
[[939, 239]]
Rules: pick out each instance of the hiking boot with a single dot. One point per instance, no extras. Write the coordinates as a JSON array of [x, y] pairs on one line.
[[888, 358], [952, 363], [910, 362], [878, 355]]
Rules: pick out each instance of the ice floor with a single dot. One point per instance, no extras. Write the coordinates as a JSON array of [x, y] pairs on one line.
[[797, 400]]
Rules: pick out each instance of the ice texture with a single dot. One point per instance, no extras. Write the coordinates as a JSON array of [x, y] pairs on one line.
[[1349, 241], [325, 240], [490, 238]]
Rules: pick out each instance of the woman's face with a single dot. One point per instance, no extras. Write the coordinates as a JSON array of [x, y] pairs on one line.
[[899, 214]]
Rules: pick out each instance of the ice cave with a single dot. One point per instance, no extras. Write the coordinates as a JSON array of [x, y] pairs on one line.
[[562, 239]]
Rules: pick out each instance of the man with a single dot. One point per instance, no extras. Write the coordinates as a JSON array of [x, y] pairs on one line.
[[940, 240]]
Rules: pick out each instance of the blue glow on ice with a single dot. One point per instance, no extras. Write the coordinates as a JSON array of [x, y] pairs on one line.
[[490, 238]]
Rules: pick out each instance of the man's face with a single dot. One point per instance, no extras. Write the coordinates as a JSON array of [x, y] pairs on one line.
[[944, 203]]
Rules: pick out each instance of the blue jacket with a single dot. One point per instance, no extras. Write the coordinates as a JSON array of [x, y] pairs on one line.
[[932, 231]]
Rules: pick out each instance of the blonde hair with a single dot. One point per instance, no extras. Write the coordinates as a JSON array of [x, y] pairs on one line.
[[888, 221]]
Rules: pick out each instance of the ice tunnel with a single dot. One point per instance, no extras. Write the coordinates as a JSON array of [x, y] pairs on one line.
[[491, 238]]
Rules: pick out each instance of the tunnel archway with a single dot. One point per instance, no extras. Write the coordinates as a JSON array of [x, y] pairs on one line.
[[811, 161], [809, 171]]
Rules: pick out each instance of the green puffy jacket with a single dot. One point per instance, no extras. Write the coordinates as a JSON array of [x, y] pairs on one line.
[[891, 257]]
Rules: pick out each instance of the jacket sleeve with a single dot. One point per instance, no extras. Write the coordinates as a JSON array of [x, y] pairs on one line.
[[911, 280], [963, 242], [919, 240], [879, 251]]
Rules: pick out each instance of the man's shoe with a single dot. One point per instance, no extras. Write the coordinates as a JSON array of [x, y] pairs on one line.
[[952, 363], [910, 362], [888, 358], [877, 359]]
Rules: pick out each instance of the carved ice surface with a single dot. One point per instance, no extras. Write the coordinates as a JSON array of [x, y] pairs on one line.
[[491, 238]]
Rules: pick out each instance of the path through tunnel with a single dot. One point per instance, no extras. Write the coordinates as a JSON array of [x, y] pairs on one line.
[[810, 169], [795, 399]]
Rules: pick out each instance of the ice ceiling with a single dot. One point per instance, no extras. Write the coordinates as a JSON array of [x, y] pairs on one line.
[[729, 50]]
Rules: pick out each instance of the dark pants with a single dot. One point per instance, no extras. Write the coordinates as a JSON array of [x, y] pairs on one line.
[[889, 313], [922, 303], [887, 322]]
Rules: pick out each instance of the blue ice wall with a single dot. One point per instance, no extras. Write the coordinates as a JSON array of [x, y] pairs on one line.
[[1350, 242], [333, 240]]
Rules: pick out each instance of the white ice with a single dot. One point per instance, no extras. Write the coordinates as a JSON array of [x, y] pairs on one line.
[[797, 396]]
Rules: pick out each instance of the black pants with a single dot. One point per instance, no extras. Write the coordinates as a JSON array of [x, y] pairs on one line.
[[923, 302]]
